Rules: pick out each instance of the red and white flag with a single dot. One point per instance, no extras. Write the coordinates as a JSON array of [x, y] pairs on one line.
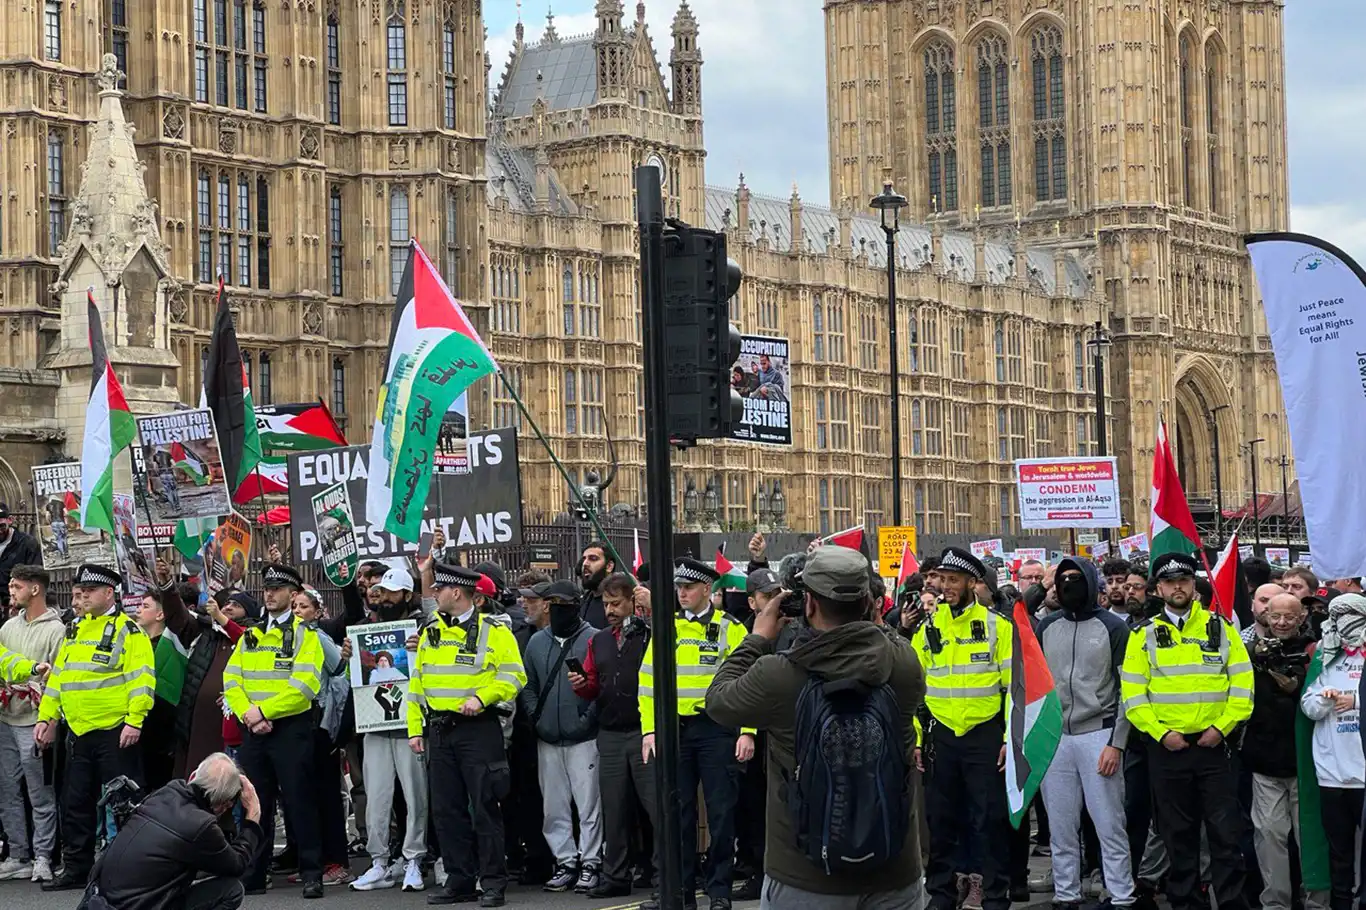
[[637, 560]]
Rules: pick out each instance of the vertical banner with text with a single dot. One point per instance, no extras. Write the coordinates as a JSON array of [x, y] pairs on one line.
[[763, 377]]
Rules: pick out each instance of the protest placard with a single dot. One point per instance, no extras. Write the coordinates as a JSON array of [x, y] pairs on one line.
[[452, 454], [1068, 492], [1031, 554], [57, 492], [380, 665], [481, 508], [183, 472], [763, 377], [984, 548], [227, 554], [1278, 556], [336, 534], [135, 561], [1134, 546]]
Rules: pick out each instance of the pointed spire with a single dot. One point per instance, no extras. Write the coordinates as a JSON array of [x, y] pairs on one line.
[[685, 23], [640, 12], [551, 36], [112, 215], [520, 39]]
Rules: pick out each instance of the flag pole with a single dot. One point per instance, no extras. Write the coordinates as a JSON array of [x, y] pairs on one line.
[[573, 487]]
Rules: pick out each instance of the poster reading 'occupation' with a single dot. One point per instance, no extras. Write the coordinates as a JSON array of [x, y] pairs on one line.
[[57, 489], [184, 473], [763, 377]]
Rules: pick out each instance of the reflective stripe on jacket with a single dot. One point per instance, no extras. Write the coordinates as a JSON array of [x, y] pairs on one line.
[[1178, 680], [701, 645], [449, 668], [278, 669], [968, 667], [103, 676]]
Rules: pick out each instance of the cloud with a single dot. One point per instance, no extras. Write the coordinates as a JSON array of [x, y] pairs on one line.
[[1342, 225], [763, 84]]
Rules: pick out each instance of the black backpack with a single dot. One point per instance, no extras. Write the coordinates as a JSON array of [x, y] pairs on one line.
[[850, 797]]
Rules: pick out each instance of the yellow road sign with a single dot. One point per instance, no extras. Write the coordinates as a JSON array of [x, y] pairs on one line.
[[891, 542]]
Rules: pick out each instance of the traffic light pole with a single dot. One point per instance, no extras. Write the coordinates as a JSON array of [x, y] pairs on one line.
[[658, 456]]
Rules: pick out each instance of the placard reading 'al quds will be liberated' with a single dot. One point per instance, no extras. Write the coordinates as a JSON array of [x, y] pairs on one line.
[[1068, 492], [481, 508], [763, 377]]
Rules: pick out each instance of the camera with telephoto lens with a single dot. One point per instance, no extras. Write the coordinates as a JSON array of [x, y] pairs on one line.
[[790, 577], [1270, 654], [121, 798]]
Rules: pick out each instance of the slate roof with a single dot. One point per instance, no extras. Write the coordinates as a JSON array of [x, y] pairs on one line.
[[512, 173], [564, 71], [773, 217]]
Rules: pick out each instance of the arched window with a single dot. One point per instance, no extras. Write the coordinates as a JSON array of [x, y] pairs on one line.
[[818, 327], [993, 120], [334, 71], [1078, 363], [941, 125], [913, 346], [1187, 105], [397, 65], [448, 76], [398, 235], [1213, 106], [999, 346], [1050, 133]]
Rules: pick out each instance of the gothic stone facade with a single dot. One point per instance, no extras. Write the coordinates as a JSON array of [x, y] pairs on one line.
[[297, 147]]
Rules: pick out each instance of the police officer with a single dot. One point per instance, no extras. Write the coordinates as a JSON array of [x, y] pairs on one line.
[[703, 638], [270, 684], [102, 684], [1187, 683], [965, 648], [466, 665]]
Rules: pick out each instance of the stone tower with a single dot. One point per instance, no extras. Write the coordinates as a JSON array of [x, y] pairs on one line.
[[686, 63], [1145, 138], [113, 250]]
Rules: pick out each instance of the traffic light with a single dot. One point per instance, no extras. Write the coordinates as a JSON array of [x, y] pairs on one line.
[[703, 346]]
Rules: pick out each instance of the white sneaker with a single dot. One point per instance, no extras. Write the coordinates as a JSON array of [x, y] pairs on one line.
[[12, 869], [412, 877], [42, 869], [439, 874], [395, 871], [376, 878]]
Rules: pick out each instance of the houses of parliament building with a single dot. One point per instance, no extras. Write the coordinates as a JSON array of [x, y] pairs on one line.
[[1070, 164]]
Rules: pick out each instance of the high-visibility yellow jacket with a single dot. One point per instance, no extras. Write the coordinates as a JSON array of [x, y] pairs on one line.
[[701, 645], [1186, 680], [277, 668], [14, 667], [967, 660], [455, 661], [103, 676]]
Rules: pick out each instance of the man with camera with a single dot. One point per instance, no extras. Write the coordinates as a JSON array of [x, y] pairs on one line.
[[847, 678], [174, 838], [1280, 660]]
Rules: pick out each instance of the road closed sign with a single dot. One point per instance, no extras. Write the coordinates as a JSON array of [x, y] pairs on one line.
[[1068, 492]]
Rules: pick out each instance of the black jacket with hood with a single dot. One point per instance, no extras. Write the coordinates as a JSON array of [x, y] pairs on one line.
[[757, 688]]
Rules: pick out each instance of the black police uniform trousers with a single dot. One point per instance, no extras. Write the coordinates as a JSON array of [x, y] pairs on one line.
[[467, 771], [1189, 787], [965, 802], [93, 760], [281, 763], [706, 754]]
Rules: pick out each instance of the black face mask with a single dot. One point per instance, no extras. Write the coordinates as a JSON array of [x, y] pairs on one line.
[[564, 619], [1074, 593]]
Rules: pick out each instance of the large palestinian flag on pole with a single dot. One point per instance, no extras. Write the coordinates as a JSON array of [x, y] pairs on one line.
[[228, 396], [285, 429], [1033, 718], [109, 429], [1171, 529], [434, 355]]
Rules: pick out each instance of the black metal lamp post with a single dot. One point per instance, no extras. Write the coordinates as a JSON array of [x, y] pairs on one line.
[[711, 506], [890, 203], [1285, 498], [1098, 343], [777, 503], [1256, 506], [760, 507], [1218, 475]]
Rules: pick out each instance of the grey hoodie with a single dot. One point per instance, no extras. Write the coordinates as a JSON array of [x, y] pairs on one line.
[[1085, 652], [566, 718], [757, 688]]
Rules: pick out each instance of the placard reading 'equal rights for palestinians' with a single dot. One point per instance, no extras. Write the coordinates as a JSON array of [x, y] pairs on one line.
[[1068, 492], [763, 377], [481, 508]]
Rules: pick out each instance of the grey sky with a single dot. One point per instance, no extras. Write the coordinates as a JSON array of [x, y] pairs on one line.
[[763, 90]]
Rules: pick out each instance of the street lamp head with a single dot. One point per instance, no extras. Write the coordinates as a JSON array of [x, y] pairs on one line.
[[709, 498], [778, 502], [889, 203], [761, 502], [690, 496]]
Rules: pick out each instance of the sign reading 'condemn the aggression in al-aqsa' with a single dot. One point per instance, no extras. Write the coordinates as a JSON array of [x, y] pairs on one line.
[[1068, 492]]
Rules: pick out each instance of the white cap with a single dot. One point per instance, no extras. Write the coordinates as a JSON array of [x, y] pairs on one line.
[[396, 580]]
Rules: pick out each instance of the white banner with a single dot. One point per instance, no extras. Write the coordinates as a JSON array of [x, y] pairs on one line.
[[1315, 301], [1068, 493]]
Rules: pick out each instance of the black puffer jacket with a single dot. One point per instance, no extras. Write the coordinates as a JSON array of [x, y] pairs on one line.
[[171, 839]]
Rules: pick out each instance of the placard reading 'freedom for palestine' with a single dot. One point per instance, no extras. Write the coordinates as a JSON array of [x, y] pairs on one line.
[[184, 472], [763, 377], [1068, 493], [57, 494], [481, 508]]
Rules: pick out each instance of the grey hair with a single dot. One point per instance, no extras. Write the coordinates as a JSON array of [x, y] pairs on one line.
[[219, 779]]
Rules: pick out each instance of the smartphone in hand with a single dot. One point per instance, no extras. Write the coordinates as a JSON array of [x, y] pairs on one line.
[[574, 665]]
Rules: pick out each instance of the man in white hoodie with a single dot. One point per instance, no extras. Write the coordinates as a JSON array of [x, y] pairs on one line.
[[36, 632]]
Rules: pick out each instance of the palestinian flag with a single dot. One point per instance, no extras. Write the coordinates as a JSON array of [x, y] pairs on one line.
[[170, 659], [434, 355], [109, 429], [72, 504], [185, 460], [283, 430], [909, 566], [228, 395], [1033, 718], [853, 538], [1231, 599], [1313, 842], [191, 534], [1171, 528], [732, 577]]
